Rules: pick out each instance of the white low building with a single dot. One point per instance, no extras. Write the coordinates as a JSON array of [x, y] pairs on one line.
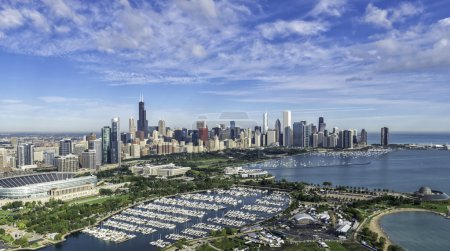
[[168, 170]]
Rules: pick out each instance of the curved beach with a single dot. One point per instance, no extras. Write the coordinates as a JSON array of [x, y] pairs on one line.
[[375, 226]]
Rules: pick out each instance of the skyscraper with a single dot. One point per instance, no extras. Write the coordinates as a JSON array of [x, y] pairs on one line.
[[88, 159], [162, 127], [363, 138], [132, 127], [65, 147], [384, 136], [142, 122], [106, 145], [265, 125], [97, 146], [322, 124], [25, 155], [68, 163], [279, 134], [115, 141], [348, 139], [297, 134], [287, 128]]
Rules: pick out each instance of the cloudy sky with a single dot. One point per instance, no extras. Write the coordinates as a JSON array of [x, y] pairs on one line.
[[72, 65]]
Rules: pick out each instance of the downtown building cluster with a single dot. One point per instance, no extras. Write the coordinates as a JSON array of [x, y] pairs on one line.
[[114, 145]]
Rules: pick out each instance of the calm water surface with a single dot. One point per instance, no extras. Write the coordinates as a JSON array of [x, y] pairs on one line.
[[418, 231], [404, 170]]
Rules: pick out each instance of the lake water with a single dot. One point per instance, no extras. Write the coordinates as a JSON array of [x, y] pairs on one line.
[[85, 242], [418, 231], [403, 170], [411, 138]]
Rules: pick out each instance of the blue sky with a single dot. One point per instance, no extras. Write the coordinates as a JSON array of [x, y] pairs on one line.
[[72, 65]]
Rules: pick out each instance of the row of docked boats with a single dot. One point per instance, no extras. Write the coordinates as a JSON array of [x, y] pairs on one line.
[[108, 234]]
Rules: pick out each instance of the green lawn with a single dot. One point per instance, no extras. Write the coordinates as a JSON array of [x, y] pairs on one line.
[[94, 199], [440, 207]]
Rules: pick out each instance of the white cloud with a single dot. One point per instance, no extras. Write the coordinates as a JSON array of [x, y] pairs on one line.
[[377, 16], [329, 7], [10, 18], [404, 10], [11, 101], [283, 28], [38, 20], [445, 21], [198, 51], [387, 17]]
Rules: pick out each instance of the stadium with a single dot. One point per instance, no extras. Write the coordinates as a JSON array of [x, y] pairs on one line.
[[44, 184]]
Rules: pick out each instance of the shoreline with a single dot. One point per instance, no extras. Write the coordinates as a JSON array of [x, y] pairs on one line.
[[375, 226]]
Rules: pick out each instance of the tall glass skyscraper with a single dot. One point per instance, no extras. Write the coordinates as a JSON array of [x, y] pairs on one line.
[[279, 133], [115, 141], [142, 121], [384, 136], [106, 145], [65, 147]]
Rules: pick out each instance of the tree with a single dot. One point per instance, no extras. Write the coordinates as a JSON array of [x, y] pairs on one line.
[[395, 248], [327, 183]]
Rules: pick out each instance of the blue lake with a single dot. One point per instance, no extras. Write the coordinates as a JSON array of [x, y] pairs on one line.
[[418, 231]]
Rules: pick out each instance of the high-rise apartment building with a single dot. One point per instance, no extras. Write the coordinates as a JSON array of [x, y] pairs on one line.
[[96, 145], [68, 163], [88, 159], [116, 144], [25, 155], [142, 121], [49, 158], [106, 145]]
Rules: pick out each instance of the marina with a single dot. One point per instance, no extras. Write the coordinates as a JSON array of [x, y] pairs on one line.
[[166, 220]]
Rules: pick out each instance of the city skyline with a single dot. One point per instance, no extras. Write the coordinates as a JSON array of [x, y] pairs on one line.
[[70, 67]]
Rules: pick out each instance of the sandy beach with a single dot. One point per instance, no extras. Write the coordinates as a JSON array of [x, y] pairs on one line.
[[374, 224]]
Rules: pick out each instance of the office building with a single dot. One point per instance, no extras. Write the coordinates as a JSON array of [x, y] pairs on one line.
[[384, 136], [116, 144], [279, 132], [287, 128], [363, 138], [347, 139], [200, 124], [25, 155], [203, 134], [297, 134], [322, 124], [162, 127], [142, 125], [265, 125], [132, 127], [65, 147]]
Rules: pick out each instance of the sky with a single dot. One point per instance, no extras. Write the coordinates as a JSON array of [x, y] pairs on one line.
[[69, 66]]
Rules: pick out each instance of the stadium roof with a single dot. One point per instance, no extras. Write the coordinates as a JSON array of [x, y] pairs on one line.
[[31, 179]]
